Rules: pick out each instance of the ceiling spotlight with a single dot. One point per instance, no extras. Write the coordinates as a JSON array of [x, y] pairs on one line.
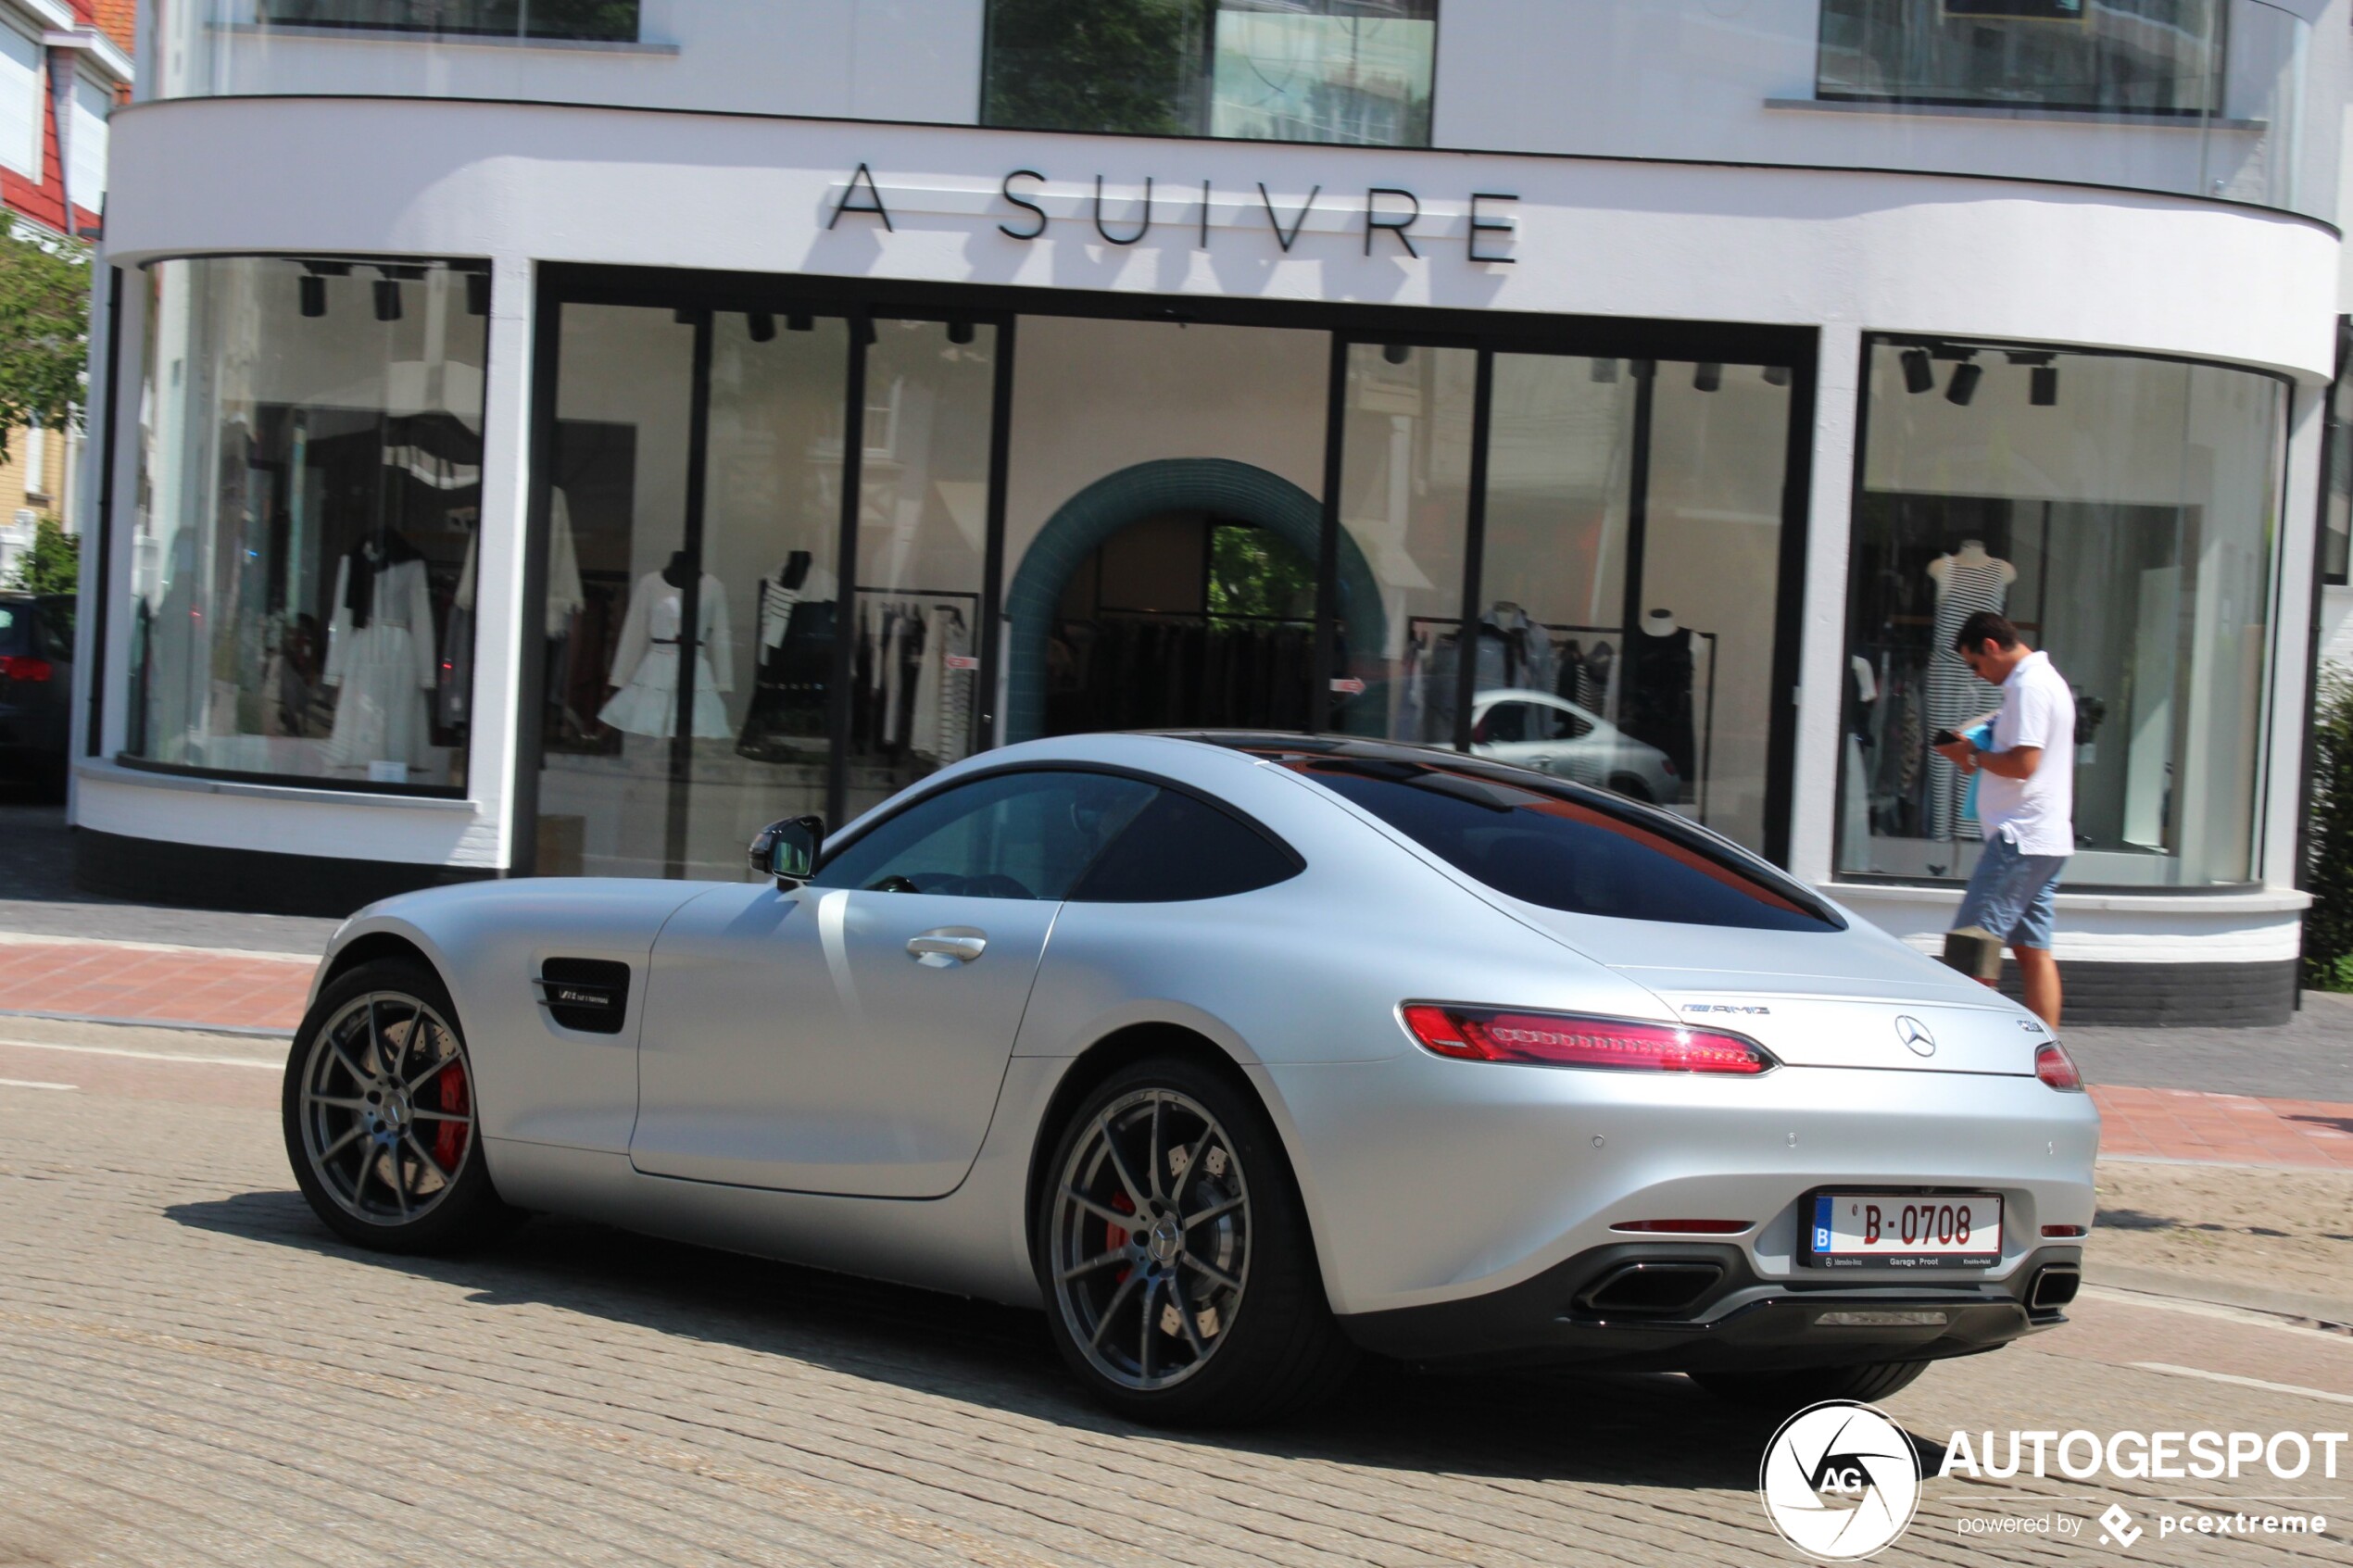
[[1775, 375], [387, 299], [1706, 377], [960, 332], [799, 322], [2044, 385], [477, 294], [1918, 374], [760, 325], [1963, 386], [314, 294], [1396, 353], [1605, 369]]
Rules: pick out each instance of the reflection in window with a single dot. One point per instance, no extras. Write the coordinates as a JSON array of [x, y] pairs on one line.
[[2162, 57], [2336, 497], [309, 498], [2120, 511], [1352, 71], [597, 21]]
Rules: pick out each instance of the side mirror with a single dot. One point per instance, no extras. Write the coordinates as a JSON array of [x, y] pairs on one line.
[[787, 850]]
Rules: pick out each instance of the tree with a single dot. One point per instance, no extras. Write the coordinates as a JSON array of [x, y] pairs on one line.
[[53, 565], [44, 330], [2328, 874], [1106, 65]]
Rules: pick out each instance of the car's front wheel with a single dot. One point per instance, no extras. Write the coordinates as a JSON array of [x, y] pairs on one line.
[[1785, 1391], [379, 1114], [1174, 1253]]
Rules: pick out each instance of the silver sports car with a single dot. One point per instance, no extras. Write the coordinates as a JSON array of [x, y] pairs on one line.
[[1241, 1054]]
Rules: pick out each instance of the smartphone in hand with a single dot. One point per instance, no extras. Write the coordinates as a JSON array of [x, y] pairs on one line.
[[1943, 737]]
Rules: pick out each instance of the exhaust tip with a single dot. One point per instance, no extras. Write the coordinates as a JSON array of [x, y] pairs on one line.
[[1650, 1289], [2053, 1287]]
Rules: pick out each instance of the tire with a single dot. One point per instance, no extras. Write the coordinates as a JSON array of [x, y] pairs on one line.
[[1225, 1311], [1633, 788], [361, 1115], [1784, 1391]]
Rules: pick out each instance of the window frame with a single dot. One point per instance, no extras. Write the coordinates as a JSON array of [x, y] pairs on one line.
[[265, 19], [945, 783], [2218, 73]]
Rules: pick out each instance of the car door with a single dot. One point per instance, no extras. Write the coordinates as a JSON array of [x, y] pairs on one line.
[[851, 1036]]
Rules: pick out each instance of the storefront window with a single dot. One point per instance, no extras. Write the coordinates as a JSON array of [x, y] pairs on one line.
[[1352, 71], [2336, 460], [1630, 596], [1405, 504], [2120, 511], [602, 21], [923, 527], [311, 492], [655, 763], [2162, 57]]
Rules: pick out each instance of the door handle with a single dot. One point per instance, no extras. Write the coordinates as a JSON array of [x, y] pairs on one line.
[[940, 948]]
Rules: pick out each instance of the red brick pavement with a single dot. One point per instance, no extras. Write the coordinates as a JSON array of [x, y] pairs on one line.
[[122, 981], [250, 991]]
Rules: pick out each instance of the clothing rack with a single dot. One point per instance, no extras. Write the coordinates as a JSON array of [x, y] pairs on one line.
[[1707, 731]]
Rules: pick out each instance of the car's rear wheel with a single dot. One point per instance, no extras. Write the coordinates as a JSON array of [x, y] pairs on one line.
[[1810, 1386], [1175, 1256], [379, 1114]]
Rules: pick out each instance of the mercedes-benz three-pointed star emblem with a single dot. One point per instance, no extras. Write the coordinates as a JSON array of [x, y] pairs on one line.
[[1915, 1033]]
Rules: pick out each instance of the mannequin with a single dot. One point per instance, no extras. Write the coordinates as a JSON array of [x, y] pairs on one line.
[[1658, 689], [644, 665], [381, 655], [1969, 580]]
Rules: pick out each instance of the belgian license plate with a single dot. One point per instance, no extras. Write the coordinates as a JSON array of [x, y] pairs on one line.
[[1944, 1230]]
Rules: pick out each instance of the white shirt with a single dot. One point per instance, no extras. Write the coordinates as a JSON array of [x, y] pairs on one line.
[[2036, 814]]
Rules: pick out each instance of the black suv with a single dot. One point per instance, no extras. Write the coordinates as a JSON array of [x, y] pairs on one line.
[[36, 687]]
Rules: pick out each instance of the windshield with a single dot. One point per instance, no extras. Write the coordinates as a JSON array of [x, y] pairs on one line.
[[1568, 848]]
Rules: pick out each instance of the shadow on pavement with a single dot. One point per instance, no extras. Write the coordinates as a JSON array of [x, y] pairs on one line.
[[1637, 1430]]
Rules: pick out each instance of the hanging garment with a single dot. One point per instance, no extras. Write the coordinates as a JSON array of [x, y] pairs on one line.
[[1597, 682], [943, 688], [380, 658], [1955, 694], [646, 664], [793, 669], [565, 593], [1658, 695], [454, 679]]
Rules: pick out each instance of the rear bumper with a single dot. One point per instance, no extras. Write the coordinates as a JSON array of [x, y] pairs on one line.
[[1583, 1310]]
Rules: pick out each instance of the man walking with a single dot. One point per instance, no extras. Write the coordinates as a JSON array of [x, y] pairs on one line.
[[2025, 802]]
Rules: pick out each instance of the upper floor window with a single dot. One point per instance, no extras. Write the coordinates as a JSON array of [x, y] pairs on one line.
[[1355, 71], [2149, 56], [609, 22]]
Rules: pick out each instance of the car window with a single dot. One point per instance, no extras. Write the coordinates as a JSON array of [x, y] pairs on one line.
[[1566, 848], [16, 629], [56, 625], [1571, 725], [1029, 834], [1509, 722], [1182, 847]]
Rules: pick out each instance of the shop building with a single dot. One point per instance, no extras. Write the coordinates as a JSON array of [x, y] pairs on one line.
[[560, 438]]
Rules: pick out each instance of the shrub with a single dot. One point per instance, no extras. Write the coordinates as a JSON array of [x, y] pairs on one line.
[[2328, 925]]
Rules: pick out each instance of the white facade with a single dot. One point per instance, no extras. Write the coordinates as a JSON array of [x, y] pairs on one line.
[[1654, 163]]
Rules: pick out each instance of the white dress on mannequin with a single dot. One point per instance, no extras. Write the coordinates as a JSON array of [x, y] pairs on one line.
[[383, 670], [644, 665]]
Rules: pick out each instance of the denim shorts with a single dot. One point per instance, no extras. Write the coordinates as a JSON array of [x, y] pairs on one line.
[[2013, 896]]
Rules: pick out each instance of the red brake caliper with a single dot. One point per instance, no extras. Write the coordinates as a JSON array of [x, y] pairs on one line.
[[449, 1137], [1115, 1236]]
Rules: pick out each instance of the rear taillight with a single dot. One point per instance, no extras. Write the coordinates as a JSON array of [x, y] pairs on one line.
[[1560, 1039], [24, 667], [2055, 1066]]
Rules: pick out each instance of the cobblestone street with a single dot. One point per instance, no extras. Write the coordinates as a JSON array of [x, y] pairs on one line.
[[195, 1371]]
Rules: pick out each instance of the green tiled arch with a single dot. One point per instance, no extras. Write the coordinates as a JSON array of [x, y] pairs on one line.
[[1217, 485]]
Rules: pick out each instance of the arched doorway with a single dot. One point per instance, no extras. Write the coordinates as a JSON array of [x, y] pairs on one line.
[[1246, 581]]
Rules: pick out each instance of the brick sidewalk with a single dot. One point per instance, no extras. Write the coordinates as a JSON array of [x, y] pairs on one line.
[[130, 982], [133, 982]]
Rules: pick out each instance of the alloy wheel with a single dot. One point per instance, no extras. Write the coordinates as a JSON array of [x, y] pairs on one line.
[[386, 1108], [1151, 1240]]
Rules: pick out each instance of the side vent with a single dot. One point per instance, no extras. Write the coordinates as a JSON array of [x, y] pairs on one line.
[[590, 995]]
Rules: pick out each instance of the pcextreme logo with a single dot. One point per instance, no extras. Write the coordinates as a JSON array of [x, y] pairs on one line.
[[1840, 1481]]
